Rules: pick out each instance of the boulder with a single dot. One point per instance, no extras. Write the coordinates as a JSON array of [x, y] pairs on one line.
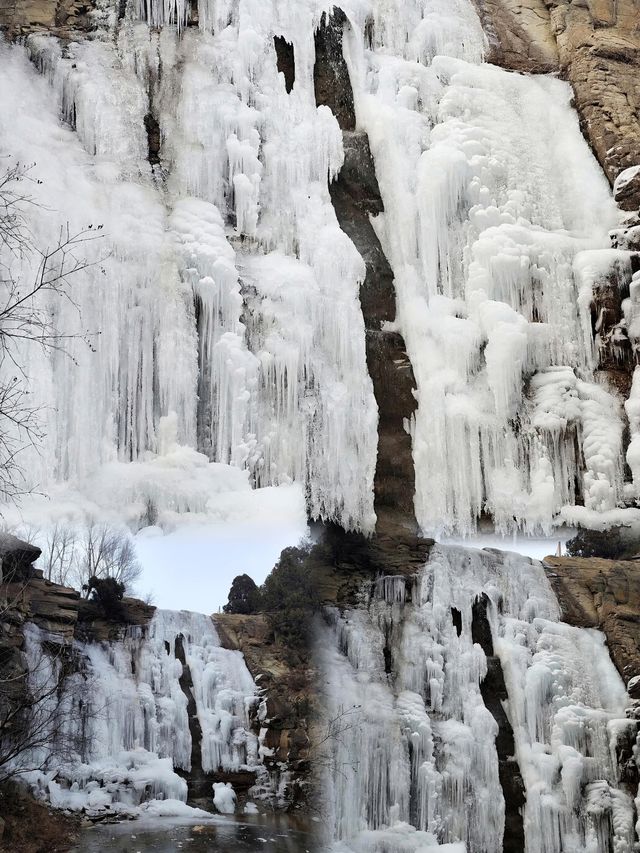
[[16, 558]]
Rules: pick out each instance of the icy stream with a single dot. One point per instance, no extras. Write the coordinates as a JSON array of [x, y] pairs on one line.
[[272, 836]]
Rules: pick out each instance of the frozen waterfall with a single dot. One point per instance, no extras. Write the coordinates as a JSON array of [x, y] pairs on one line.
[[121, 735], [413, 757], [223, 307]]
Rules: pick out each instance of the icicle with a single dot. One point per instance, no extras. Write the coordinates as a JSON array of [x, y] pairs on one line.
[[432, 778], [126, 714]]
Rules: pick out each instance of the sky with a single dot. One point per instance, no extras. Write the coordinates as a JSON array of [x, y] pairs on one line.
[[192, 568]]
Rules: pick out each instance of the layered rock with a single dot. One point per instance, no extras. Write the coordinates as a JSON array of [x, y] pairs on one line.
[[602, 594], [59, 17], [286, 681], [596, 46]]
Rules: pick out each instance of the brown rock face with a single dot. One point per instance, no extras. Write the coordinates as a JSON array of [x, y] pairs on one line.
[[520, 34], [602, 594], [289, 697], [595, 44], [330, 74], [20, 17]]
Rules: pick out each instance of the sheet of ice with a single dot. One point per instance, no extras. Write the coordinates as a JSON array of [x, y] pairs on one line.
[[125, 722], [229, 301], [411, 758], [490, 192], [226, 301]]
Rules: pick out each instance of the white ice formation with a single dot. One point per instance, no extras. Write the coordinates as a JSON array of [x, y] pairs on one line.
[[122, 726], [411, 761], [227, 302]]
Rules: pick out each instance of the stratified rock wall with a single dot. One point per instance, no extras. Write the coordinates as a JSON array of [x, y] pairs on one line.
[[603, 594], [60, 17], [595, 44], [520, 35]]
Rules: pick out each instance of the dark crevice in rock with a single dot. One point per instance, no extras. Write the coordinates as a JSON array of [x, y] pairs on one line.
[[494, 695], [356, 198], [369, 33], [198, 783], [330, 73], [153, 138], [387, 653], [480, 628], [193, 19], [456, 618], [286, 61]]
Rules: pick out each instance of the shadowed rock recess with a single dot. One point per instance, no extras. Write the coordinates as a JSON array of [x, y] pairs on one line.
[[356, 199]]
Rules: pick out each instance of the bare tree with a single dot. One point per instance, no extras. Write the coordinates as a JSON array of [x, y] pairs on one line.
[[107, 552], [34, 718], [59, 554], [72, 554], [26, 316]]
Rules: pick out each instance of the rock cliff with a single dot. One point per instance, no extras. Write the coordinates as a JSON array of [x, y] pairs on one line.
[[595, 44], [602, 594]]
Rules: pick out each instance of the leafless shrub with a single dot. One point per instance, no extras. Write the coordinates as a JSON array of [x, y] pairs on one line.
[[26, 315]]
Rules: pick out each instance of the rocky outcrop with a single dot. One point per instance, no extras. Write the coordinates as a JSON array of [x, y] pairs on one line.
[[520, 35], [16, 558], [599, 50], [59, 17], [57, 610], [343, 562], [595, 44], [286, 682], [603, 594]]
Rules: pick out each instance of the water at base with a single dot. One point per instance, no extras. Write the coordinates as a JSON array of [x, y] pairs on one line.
[[269, 834]]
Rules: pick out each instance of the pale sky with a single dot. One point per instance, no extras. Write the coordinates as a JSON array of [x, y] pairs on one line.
[[192, 568]]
